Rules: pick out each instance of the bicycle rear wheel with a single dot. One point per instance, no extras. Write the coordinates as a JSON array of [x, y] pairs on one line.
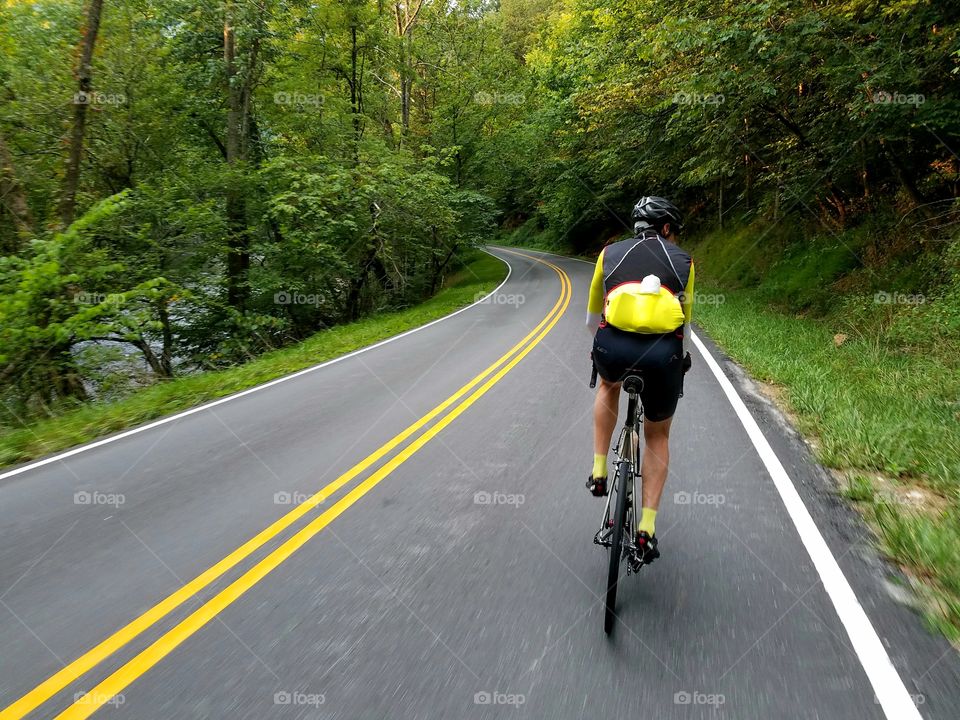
[[624, 481]]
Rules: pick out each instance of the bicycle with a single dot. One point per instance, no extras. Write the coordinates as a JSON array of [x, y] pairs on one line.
[[611, 532]]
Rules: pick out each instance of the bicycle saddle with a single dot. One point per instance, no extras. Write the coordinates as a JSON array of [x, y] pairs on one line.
[[633, 384]]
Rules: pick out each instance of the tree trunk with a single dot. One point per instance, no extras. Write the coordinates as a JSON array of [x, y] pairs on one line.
[[149, 356], [14, 198], [238, 255], [406, 17], [458, 175], [166, 350], [747, 167], [903, 177], [439, 265], [355, 97], [720, 204], [363, 270], [406, 82], [359, 282], [65, 381], [71, 180]]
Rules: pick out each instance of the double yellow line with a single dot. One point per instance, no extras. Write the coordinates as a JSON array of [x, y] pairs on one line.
[[141, 663]]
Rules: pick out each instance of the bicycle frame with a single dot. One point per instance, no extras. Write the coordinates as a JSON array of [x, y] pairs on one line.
[[627, 448]]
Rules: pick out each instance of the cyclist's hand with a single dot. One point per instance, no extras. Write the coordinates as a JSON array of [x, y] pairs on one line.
[[687, 362]]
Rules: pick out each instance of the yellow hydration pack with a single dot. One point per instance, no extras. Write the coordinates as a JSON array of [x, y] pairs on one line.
[[643, 307]]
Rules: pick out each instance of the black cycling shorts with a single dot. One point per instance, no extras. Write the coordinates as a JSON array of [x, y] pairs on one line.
[[658, 359]]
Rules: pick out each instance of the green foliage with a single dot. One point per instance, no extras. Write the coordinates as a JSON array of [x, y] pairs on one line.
[[57, 295], [818, 114], [478, 274], [328, 169], [935, 321]]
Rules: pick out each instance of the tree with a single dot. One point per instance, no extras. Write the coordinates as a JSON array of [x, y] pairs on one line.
[[81, 100]]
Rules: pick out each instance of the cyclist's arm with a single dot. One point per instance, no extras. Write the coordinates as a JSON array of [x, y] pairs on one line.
[[595, 300], [687, 306]]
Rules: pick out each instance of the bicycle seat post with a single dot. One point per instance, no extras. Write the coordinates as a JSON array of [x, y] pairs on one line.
[[632, 385]]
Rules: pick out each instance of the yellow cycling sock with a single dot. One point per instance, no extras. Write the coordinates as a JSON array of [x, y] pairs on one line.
[[648, 520], [599, 466]]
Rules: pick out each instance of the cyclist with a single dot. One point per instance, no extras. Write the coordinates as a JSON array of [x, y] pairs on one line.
[[639, 311]]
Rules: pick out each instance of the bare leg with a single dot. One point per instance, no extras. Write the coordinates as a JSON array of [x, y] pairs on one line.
[[656, 457], [605, 408]]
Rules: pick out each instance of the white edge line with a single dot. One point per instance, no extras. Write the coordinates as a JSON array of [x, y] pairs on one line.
[[271, 383], [888, 686]]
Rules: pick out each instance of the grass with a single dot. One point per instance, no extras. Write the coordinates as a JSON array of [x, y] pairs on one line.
[[77, 426], [869, 406], [859, 488], [930, 548], [875, 386]]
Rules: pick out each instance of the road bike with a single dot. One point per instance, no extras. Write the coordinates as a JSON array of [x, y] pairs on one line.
[[616, 532]]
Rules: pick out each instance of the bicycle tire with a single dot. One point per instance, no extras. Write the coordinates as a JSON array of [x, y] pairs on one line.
[[624, 472]]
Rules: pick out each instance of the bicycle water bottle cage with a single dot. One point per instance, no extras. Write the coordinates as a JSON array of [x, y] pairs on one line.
[[633, 384]]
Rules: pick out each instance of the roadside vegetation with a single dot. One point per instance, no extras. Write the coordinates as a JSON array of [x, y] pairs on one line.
[[465, 285], [868, 367], [185, 186]]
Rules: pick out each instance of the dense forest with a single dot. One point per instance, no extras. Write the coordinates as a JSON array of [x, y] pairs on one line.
[[184, 185]]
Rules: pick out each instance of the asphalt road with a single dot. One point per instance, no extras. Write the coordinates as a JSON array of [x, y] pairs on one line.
[[177, 572]]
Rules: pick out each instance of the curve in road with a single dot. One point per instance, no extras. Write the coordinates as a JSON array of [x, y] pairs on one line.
[[466, 586]]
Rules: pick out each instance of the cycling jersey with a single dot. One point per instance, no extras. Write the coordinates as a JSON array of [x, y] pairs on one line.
[[624, 295]]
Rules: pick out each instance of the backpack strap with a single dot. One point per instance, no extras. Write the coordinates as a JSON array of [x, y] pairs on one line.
[[670, 260]]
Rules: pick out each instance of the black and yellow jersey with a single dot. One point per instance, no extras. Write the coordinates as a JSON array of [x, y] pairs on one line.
[[623, 292]]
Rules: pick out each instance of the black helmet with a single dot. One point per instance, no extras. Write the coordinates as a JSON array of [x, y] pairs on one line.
[[653, 212]]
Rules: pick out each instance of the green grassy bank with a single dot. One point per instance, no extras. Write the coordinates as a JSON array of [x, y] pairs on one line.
[[860, 342]]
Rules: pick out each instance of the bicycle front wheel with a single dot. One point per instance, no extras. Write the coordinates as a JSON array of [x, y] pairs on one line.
[[624, 481]]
